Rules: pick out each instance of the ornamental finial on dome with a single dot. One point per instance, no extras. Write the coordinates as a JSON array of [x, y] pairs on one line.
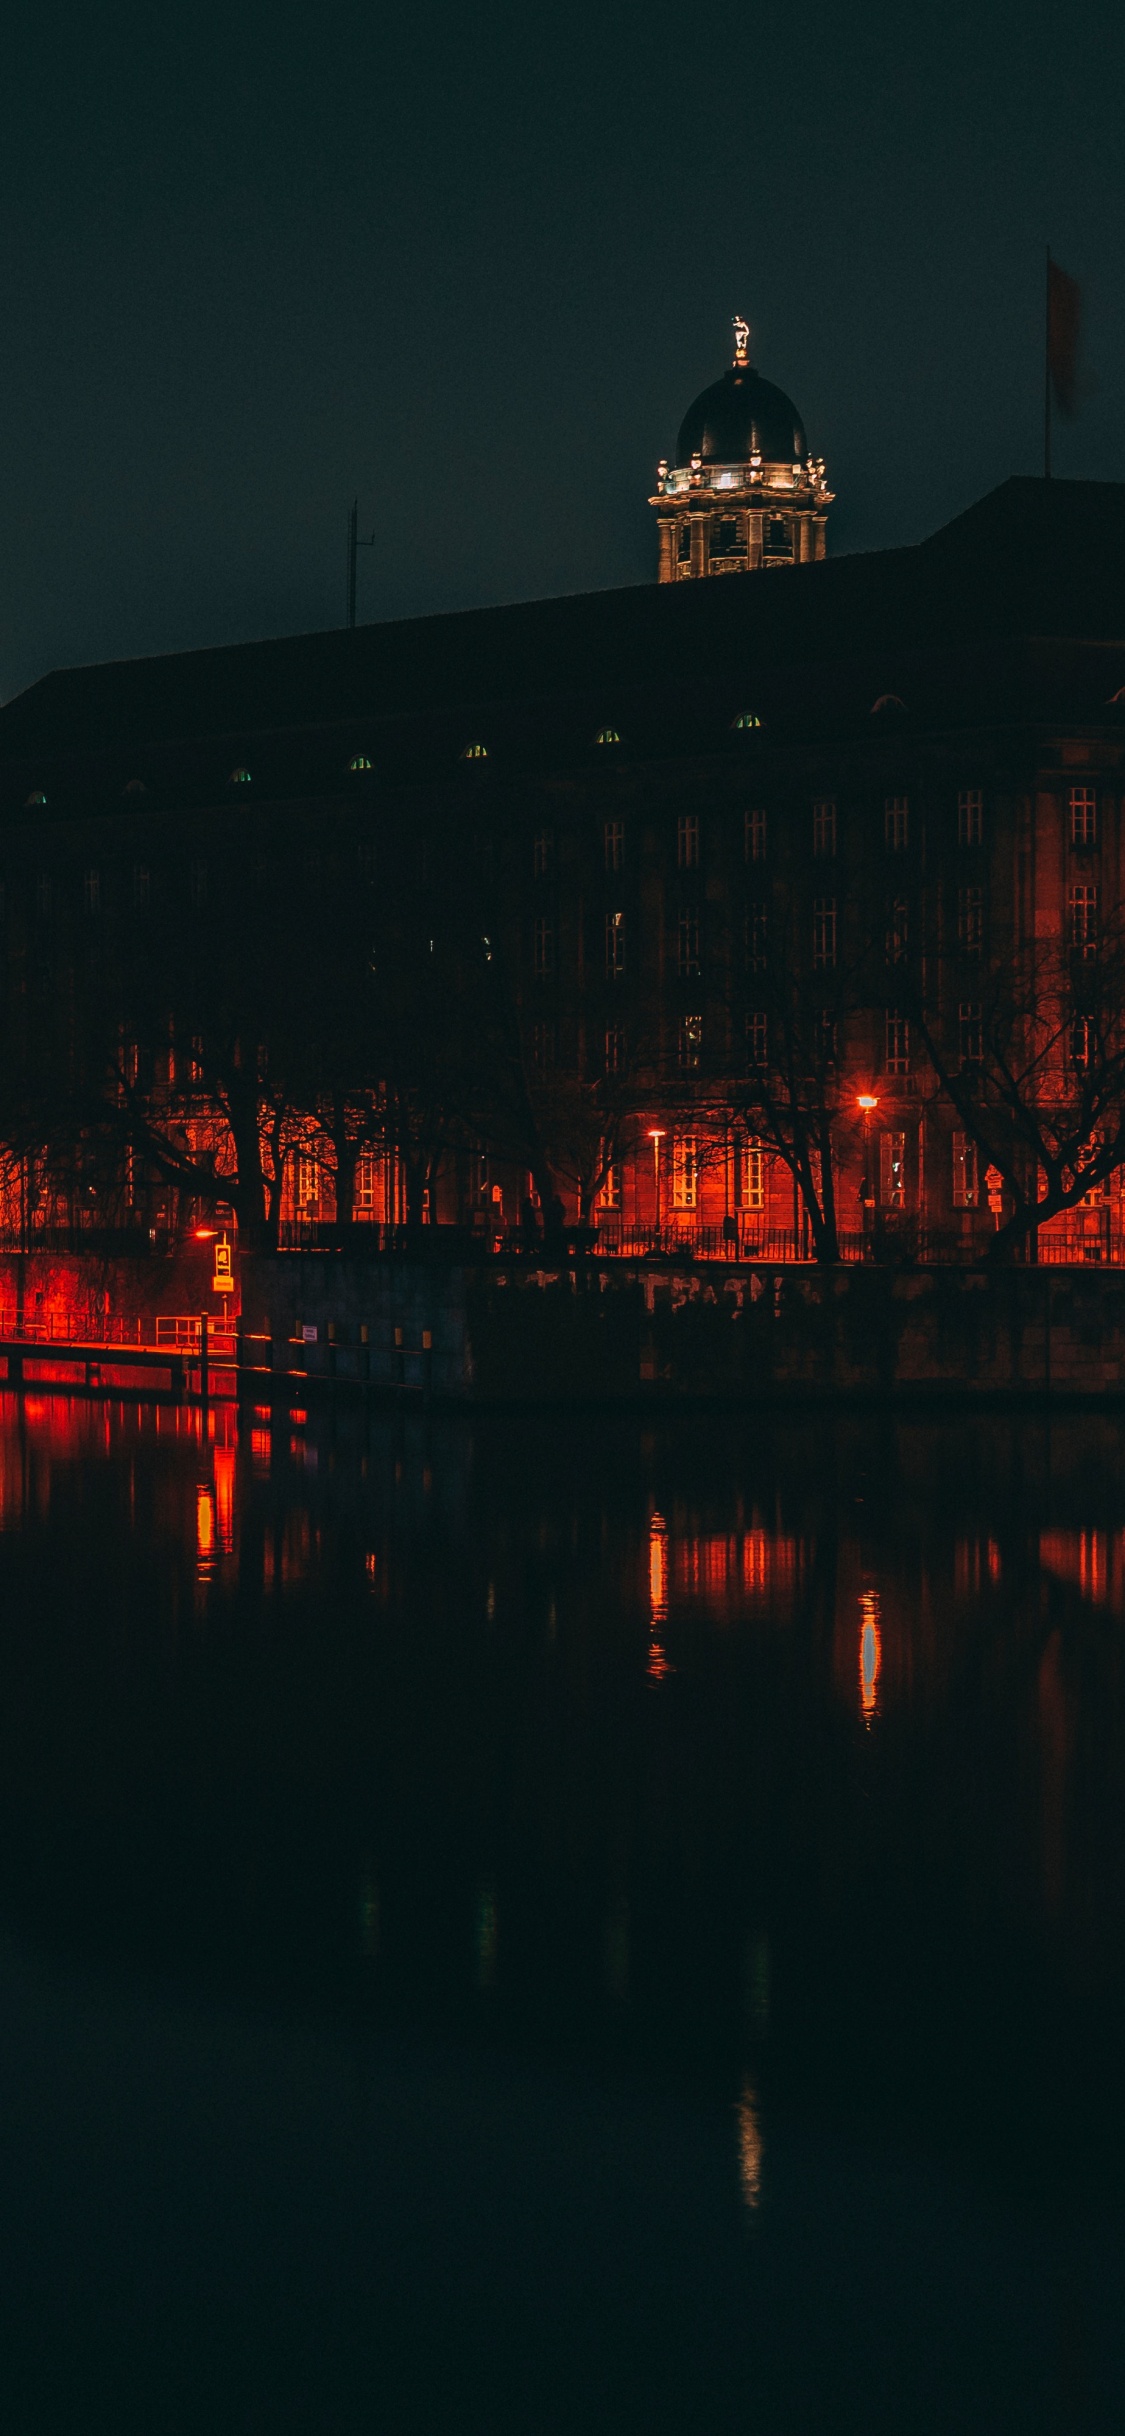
[[741, 340]]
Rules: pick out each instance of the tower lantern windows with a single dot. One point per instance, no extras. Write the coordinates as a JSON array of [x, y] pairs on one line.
[[728, 537]]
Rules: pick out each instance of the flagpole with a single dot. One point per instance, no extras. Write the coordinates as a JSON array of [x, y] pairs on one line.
[[1047, 375]]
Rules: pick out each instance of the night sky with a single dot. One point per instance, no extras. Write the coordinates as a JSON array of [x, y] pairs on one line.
[[473, 264]]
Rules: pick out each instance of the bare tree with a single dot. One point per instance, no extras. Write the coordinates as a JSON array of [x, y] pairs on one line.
[[1035, 1073]]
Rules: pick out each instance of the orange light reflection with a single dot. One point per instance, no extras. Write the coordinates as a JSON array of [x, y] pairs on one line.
[[870, 1654]]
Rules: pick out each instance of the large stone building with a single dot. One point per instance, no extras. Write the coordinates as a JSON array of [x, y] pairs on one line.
[[747, 864]]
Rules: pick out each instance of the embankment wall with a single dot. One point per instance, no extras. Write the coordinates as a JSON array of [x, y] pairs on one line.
[[613, 1330]]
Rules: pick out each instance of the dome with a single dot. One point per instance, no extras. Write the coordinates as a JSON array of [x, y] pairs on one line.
[[739, 417]]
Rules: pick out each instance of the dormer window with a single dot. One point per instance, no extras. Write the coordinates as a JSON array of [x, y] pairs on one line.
[[474, 752], [33, 800], [239, 777], [607, 735], [359, 761], [746, 719]]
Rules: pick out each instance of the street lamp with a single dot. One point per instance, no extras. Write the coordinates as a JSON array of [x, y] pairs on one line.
[[656, 1135], [867, 1101]]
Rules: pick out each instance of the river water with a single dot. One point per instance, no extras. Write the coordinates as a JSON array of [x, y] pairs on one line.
[[560, 1926]]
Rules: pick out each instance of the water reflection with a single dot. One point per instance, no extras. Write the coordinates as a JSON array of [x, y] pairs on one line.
[[870, 1654], [873, 1811]]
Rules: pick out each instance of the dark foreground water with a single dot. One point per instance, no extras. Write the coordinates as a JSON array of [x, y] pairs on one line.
[[535, 1927]]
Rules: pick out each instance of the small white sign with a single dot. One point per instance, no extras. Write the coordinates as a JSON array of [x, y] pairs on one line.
[[308, 1335]]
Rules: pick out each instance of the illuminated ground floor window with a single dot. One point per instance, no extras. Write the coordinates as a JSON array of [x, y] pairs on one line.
[[751, 1176], [685, 1171]]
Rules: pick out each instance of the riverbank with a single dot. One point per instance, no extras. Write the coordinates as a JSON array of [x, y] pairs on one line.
[[606, 1332]]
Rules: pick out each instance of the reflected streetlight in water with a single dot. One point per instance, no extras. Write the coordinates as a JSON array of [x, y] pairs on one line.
[[658, 1665], [749, 2145], [870, 1654]]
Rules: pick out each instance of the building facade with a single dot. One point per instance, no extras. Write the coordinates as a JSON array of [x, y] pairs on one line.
[[706, 915]]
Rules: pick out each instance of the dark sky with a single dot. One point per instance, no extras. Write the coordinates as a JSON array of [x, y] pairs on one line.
[[473, 264]]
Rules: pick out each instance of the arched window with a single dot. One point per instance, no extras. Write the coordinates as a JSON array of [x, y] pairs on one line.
[[607, 735], [134, 786], [359, 761], [474, 752], [746, 719], [32, 800], [239, 777]]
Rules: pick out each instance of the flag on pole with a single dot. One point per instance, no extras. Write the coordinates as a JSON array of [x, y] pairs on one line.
[[1064, 323]]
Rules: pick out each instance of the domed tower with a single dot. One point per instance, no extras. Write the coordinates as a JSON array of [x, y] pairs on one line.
[[744, 491]]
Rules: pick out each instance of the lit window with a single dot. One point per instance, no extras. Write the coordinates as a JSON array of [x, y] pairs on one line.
[[898, 924], [687, 840], [306, 1185], [365, 1188], [541, 853], [970, 816], [750, 1176], [966, 1187], [970, 1032], [689, 1043], [757, 1036], [685, 1171], [614, 1048], [756, 938], [746, 719], [1082, 1043], [607, 735], [32, 800], [614, 841], [609, 1193], [614, 946], [824, 931], [754, 837], [892, 1171], [687, 944], [544, 948], [970, 920], [359, 761], [1084, 918], [474, 752], [239, 777], [896, 817], [824, 826], [1083, 805], [898, 1045]]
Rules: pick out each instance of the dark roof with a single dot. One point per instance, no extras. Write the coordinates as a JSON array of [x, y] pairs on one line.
[[1031, 559], [738, 416]]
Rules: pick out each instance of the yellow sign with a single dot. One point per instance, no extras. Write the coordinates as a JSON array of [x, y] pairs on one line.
[[223, 1281]]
